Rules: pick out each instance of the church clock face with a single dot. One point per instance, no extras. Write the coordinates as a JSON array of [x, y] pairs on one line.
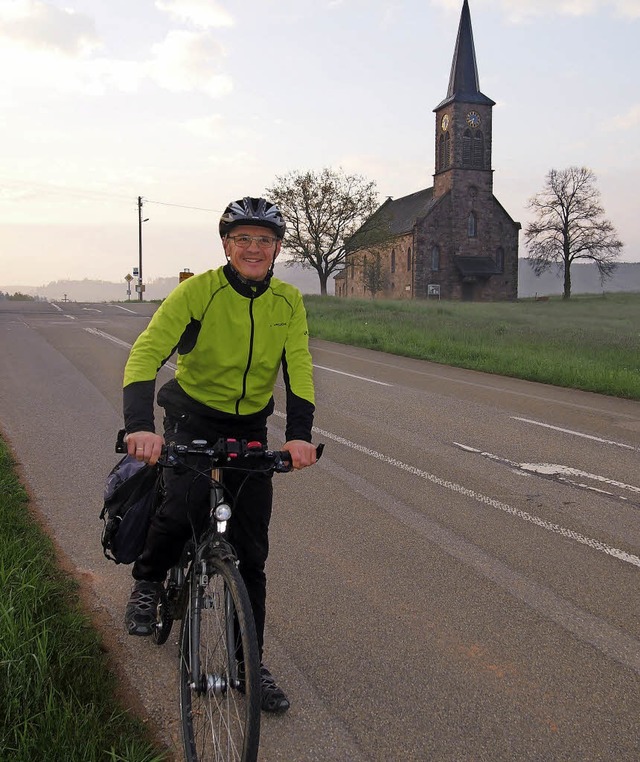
[[445, 122], [473, 119]]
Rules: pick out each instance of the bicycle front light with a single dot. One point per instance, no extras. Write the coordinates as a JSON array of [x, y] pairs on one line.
[[222, 514]]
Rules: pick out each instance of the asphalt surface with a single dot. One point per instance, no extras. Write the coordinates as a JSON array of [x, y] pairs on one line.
[[457, 578]]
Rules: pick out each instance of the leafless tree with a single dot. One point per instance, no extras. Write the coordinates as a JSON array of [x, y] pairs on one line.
[[570, 225], [323, 210]]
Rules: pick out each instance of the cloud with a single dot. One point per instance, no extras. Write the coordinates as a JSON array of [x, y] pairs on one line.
[[186, 61], [518, 11], [35, 24], [625, 121], [209, 127], [206, 14]]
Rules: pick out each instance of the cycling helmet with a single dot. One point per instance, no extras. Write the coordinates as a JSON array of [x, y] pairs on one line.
[[252, 211]]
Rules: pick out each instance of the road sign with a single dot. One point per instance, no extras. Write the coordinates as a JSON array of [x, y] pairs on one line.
[[128, 277]]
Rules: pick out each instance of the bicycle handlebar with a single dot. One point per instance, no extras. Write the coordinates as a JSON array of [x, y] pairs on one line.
[[224, 452]]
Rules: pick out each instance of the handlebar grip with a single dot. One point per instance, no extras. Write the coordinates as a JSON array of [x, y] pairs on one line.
[[121, 445]]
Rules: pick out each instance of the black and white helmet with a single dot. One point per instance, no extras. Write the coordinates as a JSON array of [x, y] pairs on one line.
[[252, 211]]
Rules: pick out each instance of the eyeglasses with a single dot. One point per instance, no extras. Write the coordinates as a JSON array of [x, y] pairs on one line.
[[244, 241]]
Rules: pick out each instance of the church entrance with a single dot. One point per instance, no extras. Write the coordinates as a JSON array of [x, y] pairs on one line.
[[468, 291]]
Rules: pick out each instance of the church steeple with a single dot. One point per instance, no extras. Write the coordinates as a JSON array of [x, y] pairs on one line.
[[463, 121], [464, 85]]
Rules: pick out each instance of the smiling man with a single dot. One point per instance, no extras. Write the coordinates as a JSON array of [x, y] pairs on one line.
[[233, 328]]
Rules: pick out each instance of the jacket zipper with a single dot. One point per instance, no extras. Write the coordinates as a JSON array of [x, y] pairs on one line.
[[246, 371]]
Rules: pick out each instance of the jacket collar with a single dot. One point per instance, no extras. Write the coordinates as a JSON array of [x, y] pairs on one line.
[[243, 286]]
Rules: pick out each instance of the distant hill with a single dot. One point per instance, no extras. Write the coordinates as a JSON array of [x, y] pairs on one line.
[[584, 278]]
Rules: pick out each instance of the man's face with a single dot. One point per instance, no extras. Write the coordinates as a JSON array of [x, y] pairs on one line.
[[253, 261]]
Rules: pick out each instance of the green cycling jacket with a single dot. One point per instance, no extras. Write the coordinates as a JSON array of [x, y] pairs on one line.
[[231, 340]]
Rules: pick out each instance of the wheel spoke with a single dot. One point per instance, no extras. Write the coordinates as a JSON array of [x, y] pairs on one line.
[[220, 722]]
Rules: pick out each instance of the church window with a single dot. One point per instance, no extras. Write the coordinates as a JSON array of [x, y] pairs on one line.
[[500, 259], [393, 260], [466, 148], [435, 258], [409, 258], [472, 225], [444, 151], [478, 149]]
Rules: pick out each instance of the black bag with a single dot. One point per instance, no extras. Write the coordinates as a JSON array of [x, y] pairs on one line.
[[132, 493]]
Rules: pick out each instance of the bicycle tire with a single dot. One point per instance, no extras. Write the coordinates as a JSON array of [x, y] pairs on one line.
[[220, 712]]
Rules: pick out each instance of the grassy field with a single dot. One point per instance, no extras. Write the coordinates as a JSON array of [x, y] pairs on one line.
[[588, 342], [56, 691]]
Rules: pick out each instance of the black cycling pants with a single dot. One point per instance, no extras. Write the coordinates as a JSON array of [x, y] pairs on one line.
[[186, 506]]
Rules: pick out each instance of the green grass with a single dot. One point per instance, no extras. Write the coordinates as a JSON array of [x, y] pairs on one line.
[[56, 691], [589, 342]]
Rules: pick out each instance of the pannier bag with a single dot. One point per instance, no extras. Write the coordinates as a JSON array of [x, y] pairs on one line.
[[131, 495]]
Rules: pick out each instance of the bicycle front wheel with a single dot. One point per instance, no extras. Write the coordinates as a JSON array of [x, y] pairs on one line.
[[219, 668]]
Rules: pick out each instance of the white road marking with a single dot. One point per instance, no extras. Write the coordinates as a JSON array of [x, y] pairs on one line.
[[559, 473], [108, 336], [352, 375], [91, 309], [126, 309], [121, 343], [574, 433], [71, 317]]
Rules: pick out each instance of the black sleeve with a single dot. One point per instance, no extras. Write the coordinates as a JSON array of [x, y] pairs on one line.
[[299, 412], [138, 406]]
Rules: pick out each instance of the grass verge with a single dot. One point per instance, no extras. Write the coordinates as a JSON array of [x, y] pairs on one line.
[[589, 342], [56, 691]]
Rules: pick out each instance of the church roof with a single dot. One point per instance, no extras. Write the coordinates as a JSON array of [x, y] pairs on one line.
[[401, 214], [464, 84]]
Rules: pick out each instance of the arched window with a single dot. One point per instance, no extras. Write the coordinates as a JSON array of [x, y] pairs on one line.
[[500, 259], [435, 258], [409, 258], [478, 150], [393, 260], [466, 148], [441, 153], [472, 225]]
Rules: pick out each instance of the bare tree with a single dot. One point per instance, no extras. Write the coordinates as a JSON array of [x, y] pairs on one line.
[[323, 211], [569, 225]]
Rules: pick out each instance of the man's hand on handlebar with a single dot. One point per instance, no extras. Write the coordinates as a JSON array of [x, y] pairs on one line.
[[302, 453], [145, 445]]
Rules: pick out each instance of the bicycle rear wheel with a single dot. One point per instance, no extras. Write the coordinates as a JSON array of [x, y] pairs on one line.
[[219, 704]]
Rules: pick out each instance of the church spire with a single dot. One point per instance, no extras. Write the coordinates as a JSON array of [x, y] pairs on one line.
[[464, 85]]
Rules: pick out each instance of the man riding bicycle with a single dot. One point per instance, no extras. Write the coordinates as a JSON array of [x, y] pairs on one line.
[[233, 328]]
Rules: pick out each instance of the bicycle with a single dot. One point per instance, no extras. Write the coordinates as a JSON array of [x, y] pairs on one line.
[[220, 693]]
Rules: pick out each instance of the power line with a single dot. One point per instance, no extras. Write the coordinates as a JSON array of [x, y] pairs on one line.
[[182, 206], [27, 185]]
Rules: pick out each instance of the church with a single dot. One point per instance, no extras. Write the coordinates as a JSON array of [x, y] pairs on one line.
[[453, 240]]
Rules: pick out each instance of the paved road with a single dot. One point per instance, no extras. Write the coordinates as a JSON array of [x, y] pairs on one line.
[[457, 579]]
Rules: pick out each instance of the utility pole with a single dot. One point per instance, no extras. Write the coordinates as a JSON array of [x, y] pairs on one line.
[[140, 248]]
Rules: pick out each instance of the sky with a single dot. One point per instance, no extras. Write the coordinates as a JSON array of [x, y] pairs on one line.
[[190, 104]]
